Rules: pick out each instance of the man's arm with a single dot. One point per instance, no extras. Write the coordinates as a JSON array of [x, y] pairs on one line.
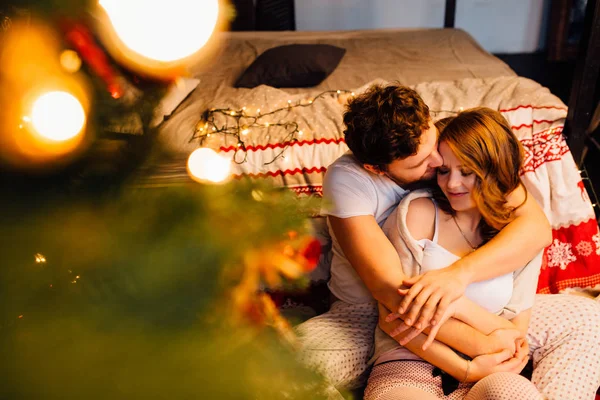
[[371, 255], [445, 358], [517, 243], [514, 246], [377, 263]]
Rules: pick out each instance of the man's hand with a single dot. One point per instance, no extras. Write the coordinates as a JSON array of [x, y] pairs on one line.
[[429, 295], [522, 353], [487, 364], [395, 327]]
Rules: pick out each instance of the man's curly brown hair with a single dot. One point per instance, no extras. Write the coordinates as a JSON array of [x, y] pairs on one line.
[[384, 124]]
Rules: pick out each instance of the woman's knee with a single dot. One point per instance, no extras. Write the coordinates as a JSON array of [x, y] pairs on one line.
[[504, 386]]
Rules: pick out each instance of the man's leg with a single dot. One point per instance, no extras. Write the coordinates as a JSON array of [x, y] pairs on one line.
[[564, 341], [340, 342]]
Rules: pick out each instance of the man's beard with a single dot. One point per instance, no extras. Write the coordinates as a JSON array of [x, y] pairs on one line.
[[429, 174], [425, 181], [422, 184]]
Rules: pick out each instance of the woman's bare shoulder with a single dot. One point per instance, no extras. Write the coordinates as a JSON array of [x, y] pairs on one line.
[[420, 218]]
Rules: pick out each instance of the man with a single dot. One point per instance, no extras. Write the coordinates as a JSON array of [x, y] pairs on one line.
[[393, 144]]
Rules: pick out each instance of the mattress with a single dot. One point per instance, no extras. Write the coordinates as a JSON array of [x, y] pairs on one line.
[[408, 56], [445, 66]]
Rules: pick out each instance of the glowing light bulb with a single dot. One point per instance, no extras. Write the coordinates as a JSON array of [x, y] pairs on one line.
[[163, 30], [206, 165], [70, 61], [58, 116]]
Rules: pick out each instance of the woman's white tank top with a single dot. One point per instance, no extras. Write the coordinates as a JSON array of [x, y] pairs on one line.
[[492, 294]]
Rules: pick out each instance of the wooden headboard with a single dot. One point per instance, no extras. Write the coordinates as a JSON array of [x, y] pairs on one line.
[[264, 15], [279, 15]]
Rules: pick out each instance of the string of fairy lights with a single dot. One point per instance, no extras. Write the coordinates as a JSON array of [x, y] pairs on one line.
[[238, 123], [244, 122]]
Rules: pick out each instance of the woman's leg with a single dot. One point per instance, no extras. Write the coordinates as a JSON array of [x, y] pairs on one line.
[[504, 386], [399, 380], [407, 393], [564, 340]]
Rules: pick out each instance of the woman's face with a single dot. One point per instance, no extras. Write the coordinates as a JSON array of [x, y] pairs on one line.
[[456, 181]]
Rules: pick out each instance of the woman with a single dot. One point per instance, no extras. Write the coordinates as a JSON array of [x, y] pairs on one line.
[[431, 230]]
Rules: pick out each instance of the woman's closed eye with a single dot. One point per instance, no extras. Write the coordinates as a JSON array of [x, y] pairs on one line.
[[446, 170]]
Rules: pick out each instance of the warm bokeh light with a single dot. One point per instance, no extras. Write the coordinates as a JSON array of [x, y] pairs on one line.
[[58, 116], [43, 104], [167, 30], [70, 61], [206, 165]]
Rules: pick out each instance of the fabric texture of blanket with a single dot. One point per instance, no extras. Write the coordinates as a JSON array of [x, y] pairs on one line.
[[537, 117]]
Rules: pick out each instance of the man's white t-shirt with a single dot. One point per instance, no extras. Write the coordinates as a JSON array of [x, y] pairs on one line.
[[349, 190]]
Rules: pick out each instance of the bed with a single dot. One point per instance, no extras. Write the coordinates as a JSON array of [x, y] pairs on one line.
[[449, 70], [407, 56]]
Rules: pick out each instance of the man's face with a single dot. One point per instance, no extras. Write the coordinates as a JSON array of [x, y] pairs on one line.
[[421, 166]]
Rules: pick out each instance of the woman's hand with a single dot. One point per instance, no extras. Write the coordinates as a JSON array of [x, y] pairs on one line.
[[487, 364], [504, 339]]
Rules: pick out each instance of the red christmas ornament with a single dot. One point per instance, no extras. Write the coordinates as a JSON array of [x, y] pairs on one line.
[[311, 252], [83, 42]]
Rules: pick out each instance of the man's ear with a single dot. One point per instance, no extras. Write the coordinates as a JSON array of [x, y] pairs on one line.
[[373, 168]]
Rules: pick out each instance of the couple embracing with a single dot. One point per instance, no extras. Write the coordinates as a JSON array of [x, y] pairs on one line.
[[435, 287]]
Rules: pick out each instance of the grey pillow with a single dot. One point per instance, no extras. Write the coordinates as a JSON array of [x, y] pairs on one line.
[[294, 65]]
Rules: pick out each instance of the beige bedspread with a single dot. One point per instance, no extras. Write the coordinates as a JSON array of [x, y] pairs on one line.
[[410, 56]]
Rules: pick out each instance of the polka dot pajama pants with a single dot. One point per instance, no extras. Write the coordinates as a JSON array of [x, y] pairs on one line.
[[339, 343], [564, 341], [409, 380]]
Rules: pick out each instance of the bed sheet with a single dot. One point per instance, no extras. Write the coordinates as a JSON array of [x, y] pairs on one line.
[[409, 56], [448, 69]]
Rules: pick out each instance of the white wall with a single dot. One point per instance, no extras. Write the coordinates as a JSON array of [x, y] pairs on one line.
[[500, 26], [318, 15]]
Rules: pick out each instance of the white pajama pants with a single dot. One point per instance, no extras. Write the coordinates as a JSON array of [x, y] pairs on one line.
[[564, 341]]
